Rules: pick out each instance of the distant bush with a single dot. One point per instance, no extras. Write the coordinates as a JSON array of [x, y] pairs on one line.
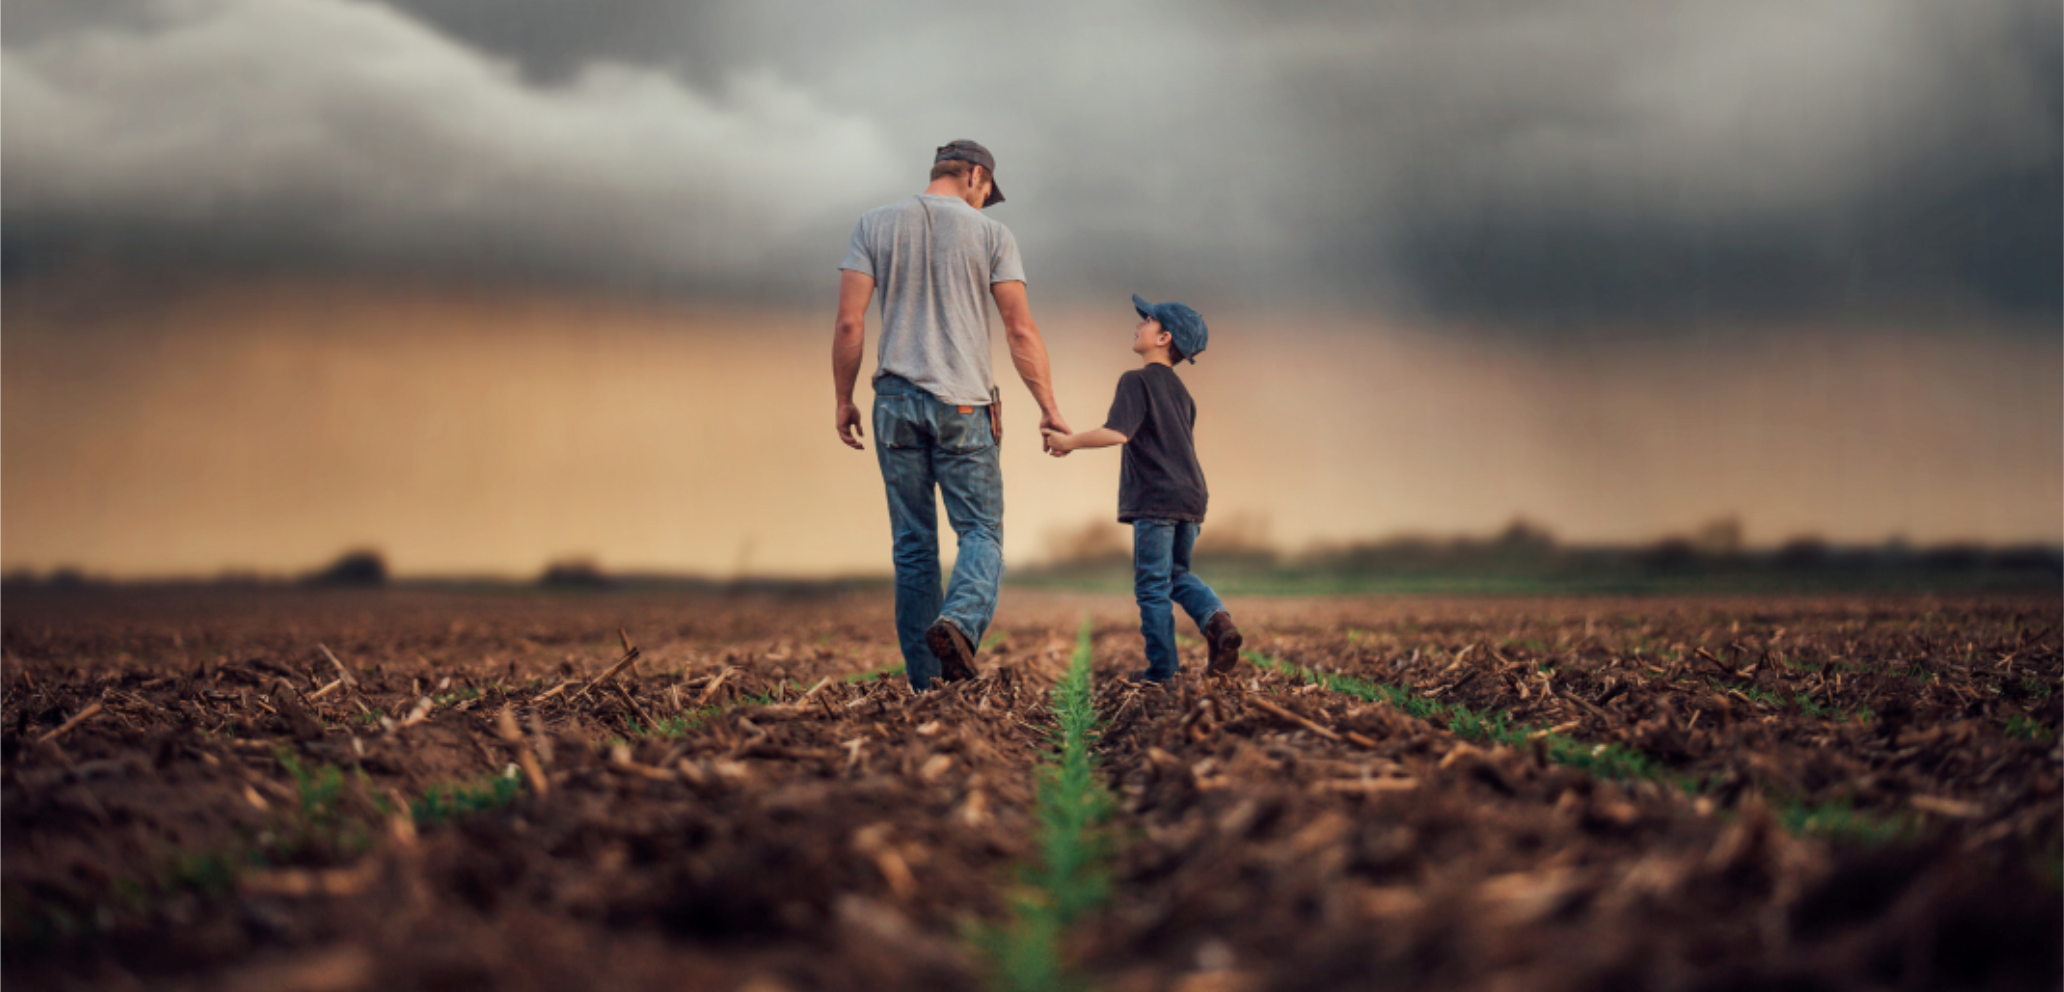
[[1802, 553], [1953, 557], [1096, 542], [575, 573], [1236, 540], [2032, 558], [362, 567], [1671, 554], [1523, 538]]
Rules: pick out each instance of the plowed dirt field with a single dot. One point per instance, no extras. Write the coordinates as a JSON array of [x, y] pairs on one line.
[[299, 789]]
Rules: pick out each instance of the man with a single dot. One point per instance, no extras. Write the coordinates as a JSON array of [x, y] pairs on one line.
[[937, 415]]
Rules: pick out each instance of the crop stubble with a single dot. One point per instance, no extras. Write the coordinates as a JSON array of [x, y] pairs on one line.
[[1275, 834]]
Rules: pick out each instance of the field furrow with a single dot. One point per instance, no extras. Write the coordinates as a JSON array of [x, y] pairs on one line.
[[413, 789]]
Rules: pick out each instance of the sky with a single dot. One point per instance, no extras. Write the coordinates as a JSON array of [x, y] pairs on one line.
[[1619, 267], [1564, 162]]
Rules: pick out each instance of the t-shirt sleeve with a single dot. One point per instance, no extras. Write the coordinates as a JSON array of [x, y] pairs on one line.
[[1129, 407], [1004, 263], [858, 257]]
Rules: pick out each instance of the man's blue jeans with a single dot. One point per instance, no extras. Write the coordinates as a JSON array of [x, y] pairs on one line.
[[1161, 569], [924, 444]]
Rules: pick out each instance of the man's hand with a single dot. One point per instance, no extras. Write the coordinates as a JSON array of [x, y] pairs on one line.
[[848, 419], [848, 333], [1050, 423], [1055, 442]]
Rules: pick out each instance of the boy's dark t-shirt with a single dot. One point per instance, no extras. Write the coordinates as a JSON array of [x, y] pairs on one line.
[[1159, 477]]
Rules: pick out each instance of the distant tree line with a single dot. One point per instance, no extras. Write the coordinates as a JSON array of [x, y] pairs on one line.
[[1525, 548]]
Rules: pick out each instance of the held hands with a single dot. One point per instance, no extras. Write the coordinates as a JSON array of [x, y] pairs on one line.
[[1051, 423], [1058, 443], [848, 422]]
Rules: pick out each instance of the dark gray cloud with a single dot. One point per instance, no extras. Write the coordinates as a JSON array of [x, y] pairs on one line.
[[1505, 161], [552, 42], [1583, 163], [354, 133]]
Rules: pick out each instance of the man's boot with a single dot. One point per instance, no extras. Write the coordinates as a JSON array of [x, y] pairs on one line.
[[956, 656], [1224, 639]]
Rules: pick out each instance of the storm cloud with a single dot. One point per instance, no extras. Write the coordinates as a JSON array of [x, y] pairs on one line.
[[352, 130], [1519, 162]]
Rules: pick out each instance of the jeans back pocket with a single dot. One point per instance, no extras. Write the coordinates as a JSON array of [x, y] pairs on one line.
[[964, 433], [897, 421]]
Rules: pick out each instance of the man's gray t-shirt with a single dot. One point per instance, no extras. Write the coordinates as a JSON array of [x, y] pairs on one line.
[[933, 259]]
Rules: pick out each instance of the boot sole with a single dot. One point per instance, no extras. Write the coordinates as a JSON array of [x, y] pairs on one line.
[[1225, 654], [955, 663]]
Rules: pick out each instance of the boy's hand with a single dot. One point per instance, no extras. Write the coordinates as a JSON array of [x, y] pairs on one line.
[[1056, 442], [848, 420], [1051, 421]]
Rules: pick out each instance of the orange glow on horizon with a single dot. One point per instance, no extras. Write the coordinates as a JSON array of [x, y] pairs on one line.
[[270, 425]]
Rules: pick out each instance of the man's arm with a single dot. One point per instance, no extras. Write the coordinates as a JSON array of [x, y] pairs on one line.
[[1028, 352], [848, 336], [1059, 443]]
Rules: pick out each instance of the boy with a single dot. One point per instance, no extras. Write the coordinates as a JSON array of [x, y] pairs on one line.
[[1161, 487]]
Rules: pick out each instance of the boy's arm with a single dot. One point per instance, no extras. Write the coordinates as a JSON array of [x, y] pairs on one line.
[[1061, 443], [848, 335]]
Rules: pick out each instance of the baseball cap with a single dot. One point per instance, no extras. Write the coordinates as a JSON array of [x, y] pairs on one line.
[[968, 151], [1185, 326]]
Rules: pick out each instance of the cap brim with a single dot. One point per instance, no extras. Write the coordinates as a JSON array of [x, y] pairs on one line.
[[1144, 308], [995, 193]]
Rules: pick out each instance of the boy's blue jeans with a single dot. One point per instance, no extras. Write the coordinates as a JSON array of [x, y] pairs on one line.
[[1160, 570], [924, 444]]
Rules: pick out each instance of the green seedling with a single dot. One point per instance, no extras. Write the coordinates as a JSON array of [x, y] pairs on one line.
[[323, 821], [1800, 701], [1840, 820], [444, 803], [1612, 761], [878, 674], [1809, 707], [458, 696], [320, 788], [1070, 877], [2021, 727], [1837, 821]]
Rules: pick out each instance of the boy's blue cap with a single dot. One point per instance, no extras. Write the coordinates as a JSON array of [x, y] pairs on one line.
[[1184, 325]]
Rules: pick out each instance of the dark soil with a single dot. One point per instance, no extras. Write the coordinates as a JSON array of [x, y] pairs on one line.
[[229, 818]]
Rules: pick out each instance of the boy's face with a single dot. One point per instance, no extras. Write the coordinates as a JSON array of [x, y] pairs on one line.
[[1147, 335]]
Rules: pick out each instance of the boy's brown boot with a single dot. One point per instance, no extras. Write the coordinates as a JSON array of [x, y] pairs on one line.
[[956, 656], [1224, 639]]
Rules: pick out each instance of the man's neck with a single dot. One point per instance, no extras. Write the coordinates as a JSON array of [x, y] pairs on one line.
[[947, 186]]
